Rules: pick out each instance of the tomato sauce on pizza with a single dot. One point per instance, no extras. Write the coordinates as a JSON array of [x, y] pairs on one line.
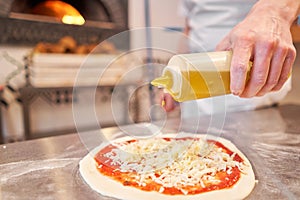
[[171, 166]]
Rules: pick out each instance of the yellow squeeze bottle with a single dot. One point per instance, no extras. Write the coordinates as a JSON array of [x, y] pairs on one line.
[[195, 76]]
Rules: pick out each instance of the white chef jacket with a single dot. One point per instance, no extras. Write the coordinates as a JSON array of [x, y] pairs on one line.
[[209, 22]]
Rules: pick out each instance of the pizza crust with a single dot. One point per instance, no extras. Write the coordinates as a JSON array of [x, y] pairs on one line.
[[111, 188]]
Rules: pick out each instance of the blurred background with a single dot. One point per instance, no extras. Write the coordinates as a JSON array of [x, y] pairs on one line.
[[43, 44]]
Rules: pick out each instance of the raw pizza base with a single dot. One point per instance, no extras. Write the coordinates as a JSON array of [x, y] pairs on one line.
[[111, 188]]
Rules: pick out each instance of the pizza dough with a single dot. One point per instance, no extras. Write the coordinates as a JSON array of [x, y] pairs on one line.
[[109, 187]]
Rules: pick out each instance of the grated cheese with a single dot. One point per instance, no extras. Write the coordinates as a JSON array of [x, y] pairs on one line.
[[173, 163]]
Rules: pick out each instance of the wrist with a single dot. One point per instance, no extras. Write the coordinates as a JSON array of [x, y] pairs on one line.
[[286, 10]]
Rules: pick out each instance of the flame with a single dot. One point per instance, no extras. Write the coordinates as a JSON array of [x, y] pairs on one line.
[[62, 11], [68, 19]]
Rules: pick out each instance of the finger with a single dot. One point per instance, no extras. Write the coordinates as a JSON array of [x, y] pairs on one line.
[[260, 70], [239, 66], [286, 69], [169, 102], [274, 71]]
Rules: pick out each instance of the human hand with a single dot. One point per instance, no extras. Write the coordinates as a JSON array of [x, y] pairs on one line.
[[263, 37], [169, 103]]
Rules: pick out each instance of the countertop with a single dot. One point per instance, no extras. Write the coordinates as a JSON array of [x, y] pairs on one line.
[[48, 168]]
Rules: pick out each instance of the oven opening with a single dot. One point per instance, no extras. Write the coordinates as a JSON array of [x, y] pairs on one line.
[[74, 12], [60, 11]]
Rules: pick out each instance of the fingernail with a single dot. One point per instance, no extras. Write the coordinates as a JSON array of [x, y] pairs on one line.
[[235, 93]]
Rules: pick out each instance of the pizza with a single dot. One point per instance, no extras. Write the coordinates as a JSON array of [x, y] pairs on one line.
[[169, 167]]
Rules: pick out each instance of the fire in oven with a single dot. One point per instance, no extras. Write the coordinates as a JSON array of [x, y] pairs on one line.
[[30, 21]]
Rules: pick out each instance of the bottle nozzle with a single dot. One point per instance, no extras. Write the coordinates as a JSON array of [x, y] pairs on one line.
[[161, 82]]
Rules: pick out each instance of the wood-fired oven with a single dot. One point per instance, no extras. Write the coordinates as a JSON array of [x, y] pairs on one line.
[[32, 21]]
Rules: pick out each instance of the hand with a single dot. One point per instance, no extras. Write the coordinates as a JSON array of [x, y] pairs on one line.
[[169, 103], [263, 37]]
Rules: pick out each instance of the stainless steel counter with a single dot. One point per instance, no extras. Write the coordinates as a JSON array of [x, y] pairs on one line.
[[48, 168]]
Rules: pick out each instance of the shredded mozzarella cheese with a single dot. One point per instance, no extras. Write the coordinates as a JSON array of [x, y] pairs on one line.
[[173, 163]]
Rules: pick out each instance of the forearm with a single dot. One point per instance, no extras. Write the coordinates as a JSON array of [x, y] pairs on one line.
[[287, 10]]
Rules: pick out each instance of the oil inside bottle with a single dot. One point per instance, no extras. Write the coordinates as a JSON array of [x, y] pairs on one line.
[[196, 84]]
